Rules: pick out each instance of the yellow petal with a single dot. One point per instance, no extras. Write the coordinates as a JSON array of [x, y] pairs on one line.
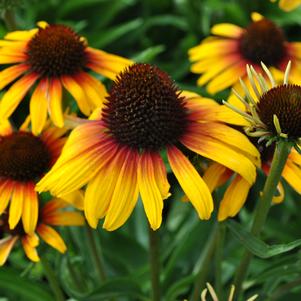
[[76, 198], [161, 175], [38, 107], [100, 189], [95, 91], [15, 94], [149, 191], [292, 174], [78, 93], [279, 198], [216, 175], [85, 152], [6, 245], [6, 189], [227, 30], [288, 5], [227, 78], [16, 206], [51, 237], [10, 74], [234, 198], [30, 209], [23, 35], [192, 184], [125, 194], [106, 64], [221, 153], [64, 218], [55, 102], [29, 249], [212, 48]]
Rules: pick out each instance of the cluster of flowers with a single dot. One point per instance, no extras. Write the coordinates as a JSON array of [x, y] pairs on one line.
[[133, 130]]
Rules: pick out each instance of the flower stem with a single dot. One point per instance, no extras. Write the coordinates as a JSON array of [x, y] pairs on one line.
[[96, 254], [279, 159], [219, 257], [154, 257], [204, 264], [52, 279]]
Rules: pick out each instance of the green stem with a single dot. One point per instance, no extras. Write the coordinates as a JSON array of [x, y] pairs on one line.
[[219, 257], [52, 279], [279, 159], [204, 263], [284, 289], [154, 257], [9, 19], [96, 254]]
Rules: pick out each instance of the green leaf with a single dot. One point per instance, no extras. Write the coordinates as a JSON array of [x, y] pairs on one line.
[[12, 282], [114, 33], [257, 246], [117, 287], [148, 54]]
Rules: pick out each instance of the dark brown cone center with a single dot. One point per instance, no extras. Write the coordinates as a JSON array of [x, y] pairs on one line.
[[144, 109], [24, 157], [264, 42], [56, 50]]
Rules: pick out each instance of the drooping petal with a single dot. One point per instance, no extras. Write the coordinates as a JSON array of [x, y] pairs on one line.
[[234, 198], [221, 153], [38, 107], [16, 205], [78, 93], [237, 140], [51, 237], [94, 89], [6, 245], [125, 194], [10, 74], [29, 248], [292, 174], [105, 63], [216, 175], [226, 78], [100, 189], [85, 152], [161, 175], [212, 48], [6, 189], [55, 102], [15, 94], [149, 190], [193, 185], [64, 218], [30, 209]]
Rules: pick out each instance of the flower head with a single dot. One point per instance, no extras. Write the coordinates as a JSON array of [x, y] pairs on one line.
[[119, 155], [53, 56], [221, 59], [51, 214], [273, 111], [24, 159], [288, 5]]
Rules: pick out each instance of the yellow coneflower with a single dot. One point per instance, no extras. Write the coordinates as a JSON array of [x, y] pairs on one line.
[[273, 113], [53, 56], [119, 155], [24, 159], [222, 58], [50, 215]]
